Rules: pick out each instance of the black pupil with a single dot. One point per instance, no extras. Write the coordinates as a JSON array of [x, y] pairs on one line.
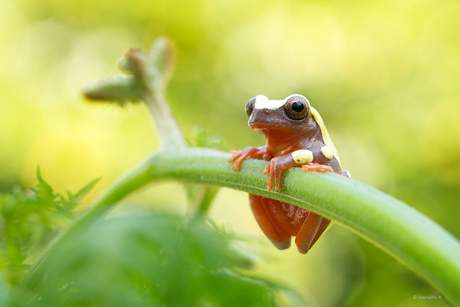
[[298, 106]]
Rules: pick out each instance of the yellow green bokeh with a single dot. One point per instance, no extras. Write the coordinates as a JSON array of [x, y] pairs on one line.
[[385, 76]]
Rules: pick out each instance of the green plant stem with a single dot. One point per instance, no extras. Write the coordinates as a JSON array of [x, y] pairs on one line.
[[170, 133], [409, 236], [208, 196], [150, 76]]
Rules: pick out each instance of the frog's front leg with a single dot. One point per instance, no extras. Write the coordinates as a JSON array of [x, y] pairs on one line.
[[313, 159], [344, 173], [249, 152], [275, 167]]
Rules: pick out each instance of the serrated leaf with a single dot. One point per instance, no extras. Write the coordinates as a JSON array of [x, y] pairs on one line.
[[28, 220], [86, 189], [70, 195], [43, 191]]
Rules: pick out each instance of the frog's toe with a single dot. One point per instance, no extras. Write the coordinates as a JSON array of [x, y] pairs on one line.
[[344, 173], [236, 167], [235, 155]]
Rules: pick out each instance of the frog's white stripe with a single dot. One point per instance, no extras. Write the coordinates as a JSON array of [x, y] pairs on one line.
[[262, 102], [326, 137], [329, 144], [302, 156]]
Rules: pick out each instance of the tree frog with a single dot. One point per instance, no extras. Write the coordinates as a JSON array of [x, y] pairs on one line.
[[296, 137]]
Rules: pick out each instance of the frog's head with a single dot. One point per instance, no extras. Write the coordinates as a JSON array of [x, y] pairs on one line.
[[291, 115]]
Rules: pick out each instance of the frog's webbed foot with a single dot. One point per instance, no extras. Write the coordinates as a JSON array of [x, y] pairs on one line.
[[275, 167], [249, 152], [323, 168]]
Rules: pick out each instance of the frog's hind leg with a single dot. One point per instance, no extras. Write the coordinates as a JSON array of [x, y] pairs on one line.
[[322, 228], [310, 231], [274, 233]]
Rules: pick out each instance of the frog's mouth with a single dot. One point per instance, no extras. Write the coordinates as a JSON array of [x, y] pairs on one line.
[[261, 128], [270, 130], [271, 126]]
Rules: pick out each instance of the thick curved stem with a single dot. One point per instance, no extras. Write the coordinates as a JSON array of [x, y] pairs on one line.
[[400, 230]]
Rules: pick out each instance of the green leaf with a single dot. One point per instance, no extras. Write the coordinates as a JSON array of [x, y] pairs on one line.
[[153, 260], [85, 190], [201, 139], [29, 220], [44, 192]]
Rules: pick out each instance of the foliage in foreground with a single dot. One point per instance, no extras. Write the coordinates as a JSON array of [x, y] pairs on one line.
[[152, 260], [28, 220]]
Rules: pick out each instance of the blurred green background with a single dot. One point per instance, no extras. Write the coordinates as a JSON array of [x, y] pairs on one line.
[[385, 76]]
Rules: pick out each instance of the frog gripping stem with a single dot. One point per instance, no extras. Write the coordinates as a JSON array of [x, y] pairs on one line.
[[296, 137], [238, 156]]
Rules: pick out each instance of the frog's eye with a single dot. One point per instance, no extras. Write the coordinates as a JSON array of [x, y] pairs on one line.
[[297, 107], [250, 106]]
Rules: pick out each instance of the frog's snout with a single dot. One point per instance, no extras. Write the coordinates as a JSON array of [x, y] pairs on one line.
[[262, 118]]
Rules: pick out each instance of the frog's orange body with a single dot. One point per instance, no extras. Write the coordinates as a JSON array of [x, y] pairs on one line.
[[296, 137]]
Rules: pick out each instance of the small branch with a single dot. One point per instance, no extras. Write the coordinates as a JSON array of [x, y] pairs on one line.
[[208, 196], [150, 74], [170, 134], [116, 88], [200, 198]]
